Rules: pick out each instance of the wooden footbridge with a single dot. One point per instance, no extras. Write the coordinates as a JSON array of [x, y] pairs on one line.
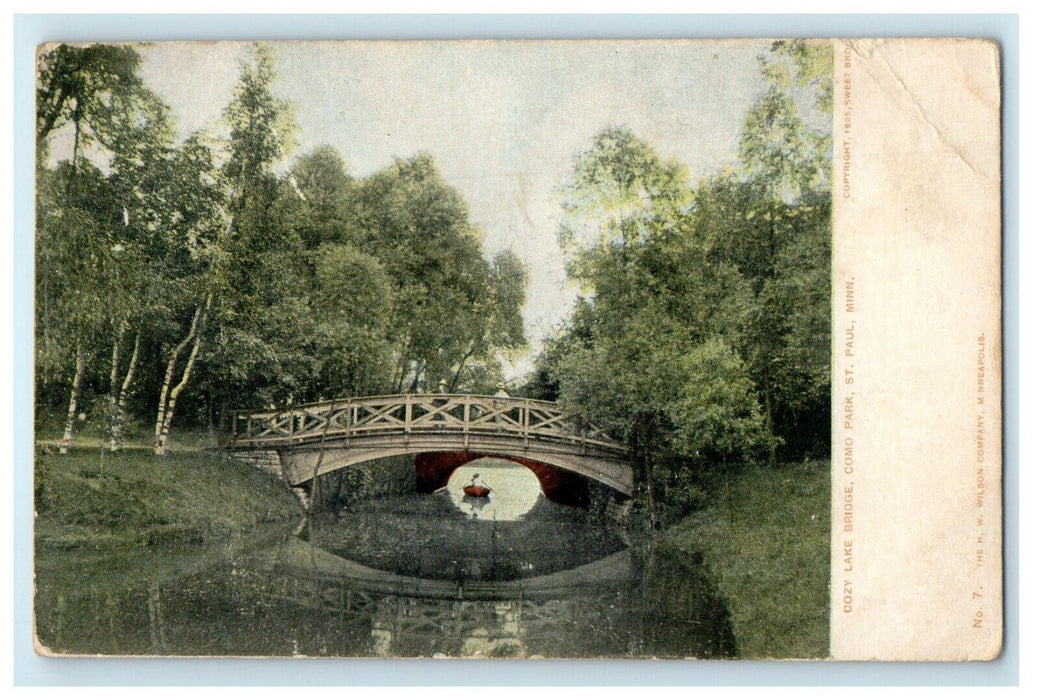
[[314, 439]]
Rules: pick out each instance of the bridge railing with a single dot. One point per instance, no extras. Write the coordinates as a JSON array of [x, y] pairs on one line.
[[418, 413]]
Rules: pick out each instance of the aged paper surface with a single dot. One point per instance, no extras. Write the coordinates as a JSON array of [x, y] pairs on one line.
[[529, 342], [916, 541]]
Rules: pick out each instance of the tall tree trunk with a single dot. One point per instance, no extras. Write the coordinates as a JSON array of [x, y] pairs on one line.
[[77, 118], [168, 397], [170, 367], [77, 382], [113, 384], [164, 435], [119, 410]]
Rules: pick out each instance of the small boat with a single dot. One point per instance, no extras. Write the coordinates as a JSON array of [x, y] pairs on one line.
[[476, 491]]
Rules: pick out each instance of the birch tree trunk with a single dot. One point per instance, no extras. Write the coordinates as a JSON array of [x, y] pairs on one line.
[[164, 434], [168, 397], [119, 407], [113, 383], [77, 381], [81, 360], [170, 367]]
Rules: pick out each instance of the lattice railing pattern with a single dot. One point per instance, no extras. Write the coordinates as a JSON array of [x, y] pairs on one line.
[[419, 413]]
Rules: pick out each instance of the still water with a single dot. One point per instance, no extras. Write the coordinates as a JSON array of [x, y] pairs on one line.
[[515, 490], [406, 576]]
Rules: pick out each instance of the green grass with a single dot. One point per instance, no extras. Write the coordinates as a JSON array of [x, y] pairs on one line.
[[765, 541], [95, 499], [94, 433]]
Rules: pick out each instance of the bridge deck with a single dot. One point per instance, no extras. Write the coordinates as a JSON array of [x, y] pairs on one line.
[[417, 414]]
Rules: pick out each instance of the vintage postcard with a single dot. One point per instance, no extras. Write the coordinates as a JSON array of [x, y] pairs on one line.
[[680, 349]]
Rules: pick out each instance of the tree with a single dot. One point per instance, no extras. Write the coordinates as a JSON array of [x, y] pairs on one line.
[[319, 206], [704, 334], [352, 307], [494, 325], [346, 304], [451, 308], [243, 268], [786, 175], [150, 209], [257, 314], [262, 129], [652, 349], [169, 272], [620, 195], [85, 87], [75, 259], [95, 90]]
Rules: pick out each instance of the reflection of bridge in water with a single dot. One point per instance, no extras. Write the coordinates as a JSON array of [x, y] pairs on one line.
[[541, 615], [294, 599], [315, 439]]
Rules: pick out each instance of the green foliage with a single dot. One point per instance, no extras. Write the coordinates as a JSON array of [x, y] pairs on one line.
[[319, 206], [452, 310], [620, 194], [705, 314], [715, 406], [92, 87], [315, 284], [128, 234], [704, 336], [777, 145], [773, 149], [509, 294], [652, 338], [353, 339], [262, 127], [260, 326], [803, 64], [329, 286], [92, 271]]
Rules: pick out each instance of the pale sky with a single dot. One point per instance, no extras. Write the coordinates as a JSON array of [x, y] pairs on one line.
[[504, 120]]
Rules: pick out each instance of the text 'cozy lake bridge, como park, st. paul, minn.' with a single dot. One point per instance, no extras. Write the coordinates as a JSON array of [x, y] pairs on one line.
[[318, 438]]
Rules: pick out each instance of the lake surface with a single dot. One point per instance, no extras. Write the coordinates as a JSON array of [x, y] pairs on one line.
[[407, 576]]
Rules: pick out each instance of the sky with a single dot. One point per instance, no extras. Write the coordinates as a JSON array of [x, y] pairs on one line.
[[504, 120]]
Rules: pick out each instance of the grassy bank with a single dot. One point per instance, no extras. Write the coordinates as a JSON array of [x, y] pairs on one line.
[[765, 542], [91, 498]]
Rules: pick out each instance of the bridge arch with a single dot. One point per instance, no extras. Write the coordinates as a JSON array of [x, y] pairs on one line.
[[302, 463], [434, 469]]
